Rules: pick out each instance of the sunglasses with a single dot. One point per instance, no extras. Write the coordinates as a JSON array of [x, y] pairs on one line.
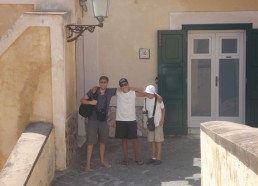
[[123, 84], [103, 82]]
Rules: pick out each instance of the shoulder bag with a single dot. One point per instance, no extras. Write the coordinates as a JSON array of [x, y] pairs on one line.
[[150, 121], [85, 110]]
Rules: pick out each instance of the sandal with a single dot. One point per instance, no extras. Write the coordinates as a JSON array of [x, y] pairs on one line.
[[139, 162], [124, 162], [87, 169], [105, 165]]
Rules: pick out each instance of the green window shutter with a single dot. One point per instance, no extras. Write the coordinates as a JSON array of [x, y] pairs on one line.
[[172, 71], [252, 78]]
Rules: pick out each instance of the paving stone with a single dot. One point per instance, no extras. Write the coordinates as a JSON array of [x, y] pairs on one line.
[[181, 165]]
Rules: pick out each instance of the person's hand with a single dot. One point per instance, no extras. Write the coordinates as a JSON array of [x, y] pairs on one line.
[[161, 123], [159, 98], [84, 100], [93, 102], [94, 89]]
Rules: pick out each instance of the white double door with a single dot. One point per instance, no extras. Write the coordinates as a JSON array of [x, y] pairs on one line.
[[216, 78]]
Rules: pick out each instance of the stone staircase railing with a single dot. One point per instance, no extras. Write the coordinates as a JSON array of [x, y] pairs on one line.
[[32, 161], [56, 22]]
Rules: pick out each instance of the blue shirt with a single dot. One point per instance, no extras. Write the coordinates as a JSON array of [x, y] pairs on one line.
[[103, 100]]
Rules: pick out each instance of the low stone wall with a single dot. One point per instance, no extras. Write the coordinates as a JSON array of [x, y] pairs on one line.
[[32, 161], [229, 154], [71, 134]]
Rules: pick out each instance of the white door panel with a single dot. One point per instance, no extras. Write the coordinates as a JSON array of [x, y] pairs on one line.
[[215, 76]]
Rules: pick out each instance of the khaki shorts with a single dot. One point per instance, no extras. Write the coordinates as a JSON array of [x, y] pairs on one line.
[[157, 135]]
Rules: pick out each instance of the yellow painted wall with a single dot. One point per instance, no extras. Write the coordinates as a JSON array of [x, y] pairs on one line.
[[133, 24], [25, 68], [25, 81], [61, 111], [9, 13]]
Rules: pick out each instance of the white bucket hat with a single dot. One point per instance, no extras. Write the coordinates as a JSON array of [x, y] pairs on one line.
[[150, 89]]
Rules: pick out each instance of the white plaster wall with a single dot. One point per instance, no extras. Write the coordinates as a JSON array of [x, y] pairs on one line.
[[80, 85], [44, 170], [87, 62], [68, 6], [222, 163], [177, 19], [45, 5], [220, 167], [133, 24], [32, 161]]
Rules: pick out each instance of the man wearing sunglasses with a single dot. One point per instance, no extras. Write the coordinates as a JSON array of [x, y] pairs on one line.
[[126, 125], [97, 129]]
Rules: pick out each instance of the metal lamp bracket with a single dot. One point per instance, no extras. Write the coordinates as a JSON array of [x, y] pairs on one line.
[[75, 31]]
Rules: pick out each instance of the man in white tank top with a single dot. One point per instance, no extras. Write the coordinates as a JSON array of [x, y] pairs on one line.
[[126, 125]]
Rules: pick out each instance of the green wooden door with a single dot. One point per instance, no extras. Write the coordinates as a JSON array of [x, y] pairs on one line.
[[172, 72], [252, 78]]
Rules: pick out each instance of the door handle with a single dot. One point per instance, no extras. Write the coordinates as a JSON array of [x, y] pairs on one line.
[[216, 81]]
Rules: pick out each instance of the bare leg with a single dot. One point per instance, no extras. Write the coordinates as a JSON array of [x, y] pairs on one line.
[[102, 156], [125, 150], [153, 150], [89, 153], [102, 152], [136, 152], [136, 149], [159, 148]]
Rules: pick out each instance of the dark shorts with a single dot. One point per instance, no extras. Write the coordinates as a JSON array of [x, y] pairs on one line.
[[96, 131], [126, 129]]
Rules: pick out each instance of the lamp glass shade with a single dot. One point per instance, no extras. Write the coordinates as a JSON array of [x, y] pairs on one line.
[[100, 8]]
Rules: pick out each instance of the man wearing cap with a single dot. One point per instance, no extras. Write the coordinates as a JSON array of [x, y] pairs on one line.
[[155, 137], [126, 125]]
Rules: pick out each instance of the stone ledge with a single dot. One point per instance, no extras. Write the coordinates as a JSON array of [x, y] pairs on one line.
[[238, 139], [25, 155]]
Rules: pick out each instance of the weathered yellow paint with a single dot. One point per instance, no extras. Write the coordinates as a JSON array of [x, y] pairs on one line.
[[2, 160], [9, 13], [25, 70], [25, 81], [133, 24]]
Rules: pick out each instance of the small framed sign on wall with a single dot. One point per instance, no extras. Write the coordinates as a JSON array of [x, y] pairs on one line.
[[144, 53]]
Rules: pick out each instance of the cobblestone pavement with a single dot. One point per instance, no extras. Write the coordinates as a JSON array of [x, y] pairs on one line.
[[181, 166]]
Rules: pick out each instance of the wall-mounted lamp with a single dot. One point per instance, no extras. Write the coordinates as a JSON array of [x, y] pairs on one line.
[[100, 8]]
